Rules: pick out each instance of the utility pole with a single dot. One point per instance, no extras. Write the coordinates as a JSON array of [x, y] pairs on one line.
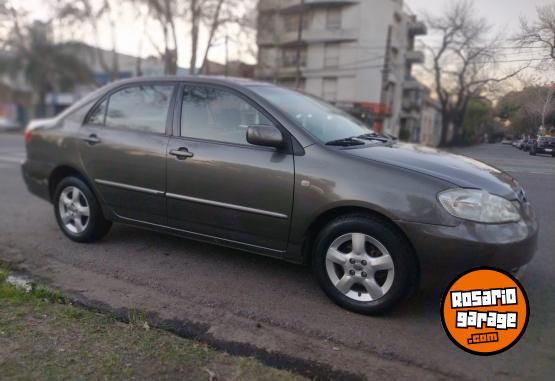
[[385, 80], [299, 41], [226, 72]]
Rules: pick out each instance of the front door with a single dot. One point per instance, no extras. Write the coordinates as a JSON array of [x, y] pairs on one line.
[[123, 149], [220, 186]]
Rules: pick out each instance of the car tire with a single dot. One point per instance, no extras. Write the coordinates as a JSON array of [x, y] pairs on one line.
[[382, 269], [78, 212], [532, 152]]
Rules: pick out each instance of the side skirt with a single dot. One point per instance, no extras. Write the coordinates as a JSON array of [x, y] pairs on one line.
[[279, 254]]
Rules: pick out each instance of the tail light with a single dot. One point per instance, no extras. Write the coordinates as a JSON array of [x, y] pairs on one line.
[[27, 135]]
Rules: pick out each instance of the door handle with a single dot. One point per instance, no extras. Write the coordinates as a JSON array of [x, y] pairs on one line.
[[92, 139], [181, 153]]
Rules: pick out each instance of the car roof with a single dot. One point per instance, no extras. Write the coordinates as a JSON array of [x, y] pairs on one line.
[[230, 81]]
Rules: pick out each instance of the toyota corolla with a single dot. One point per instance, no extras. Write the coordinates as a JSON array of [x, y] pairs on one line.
[[269, 170]]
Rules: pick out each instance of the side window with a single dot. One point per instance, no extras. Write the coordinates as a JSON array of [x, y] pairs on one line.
[[217, 114], [96, 117], [140, 108]]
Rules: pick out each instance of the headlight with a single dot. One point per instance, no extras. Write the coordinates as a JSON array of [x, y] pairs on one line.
[[478, 205]]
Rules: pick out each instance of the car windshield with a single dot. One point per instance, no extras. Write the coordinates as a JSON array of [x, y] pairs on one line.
[[323, 121]]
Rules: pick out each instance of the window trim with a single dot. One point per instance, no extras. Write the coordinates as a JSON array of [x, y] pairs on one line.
[[107, 96], [84, 107], [288, 139], [90, 112]]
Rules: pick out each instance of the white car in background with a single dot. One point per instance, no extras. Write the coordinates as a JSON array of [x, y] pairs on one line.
[[7, 124]]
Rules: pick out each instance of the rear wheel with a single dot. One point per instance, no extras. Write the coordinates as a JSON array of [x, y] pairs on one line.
[[532, 152], [77, 211], [363, 263]]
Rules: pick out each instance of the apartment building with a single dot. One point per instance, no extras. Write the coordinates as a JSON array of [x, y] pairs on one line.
[[356, 54]]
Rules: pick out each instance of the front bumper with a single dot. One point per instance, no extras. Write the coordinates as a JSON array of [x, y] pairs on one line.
[[457, 248], [546, 150]]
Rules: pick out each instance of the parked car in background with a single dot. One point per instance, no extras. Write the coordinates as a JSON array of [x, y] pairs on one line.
[[507, 140], [543, 145], [269, 170], [7, 124], [517, 143]]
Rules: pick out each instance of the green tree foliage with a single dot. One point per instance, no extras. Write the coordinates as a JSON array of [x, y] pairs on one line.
[[478, 120], [524, 110]]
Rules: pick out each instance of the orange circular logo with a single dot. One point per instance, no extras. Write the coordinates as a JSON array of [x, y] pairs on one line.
[[485, 311]]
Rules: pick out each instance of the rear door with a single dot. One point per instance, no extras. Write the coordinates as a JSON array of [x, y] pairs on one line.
[[219, 185], [123, 149]]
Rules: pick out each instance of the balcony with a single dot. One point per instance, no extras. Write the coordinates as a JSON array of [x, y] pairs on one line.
[[412, 115], [267, 38], [415, 57], [411, 104], [322, 35], [280, 73], [269, 5], [293, 6], [417, 28], [411, 84]]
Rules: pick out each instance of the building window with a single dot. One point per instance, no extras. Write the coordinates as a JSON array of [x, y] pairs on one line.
[[331, 55], [289, 57], [291, 22], [333, 18], [266, 24], [329, 89]]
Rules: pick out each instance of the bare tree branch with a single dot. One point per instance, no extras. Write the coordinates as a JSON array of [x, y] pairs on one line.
[[540, 33], [463, 64]]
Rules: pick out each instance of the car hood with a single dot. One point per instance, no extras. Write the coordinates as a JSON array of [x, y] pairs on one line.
[[459, 170]]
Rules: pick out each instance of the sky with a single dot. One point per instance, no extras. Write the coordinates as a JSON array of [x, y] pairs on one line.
[[503, 14], [504, 17]]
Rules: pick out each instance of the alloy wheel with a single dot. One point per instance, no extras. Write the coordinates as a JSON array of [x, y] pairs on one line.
[[74, 210], [360, 267]]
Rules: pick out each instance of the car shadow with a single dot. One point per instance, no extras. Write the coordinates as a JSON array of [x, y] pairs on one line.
[[244, 274]]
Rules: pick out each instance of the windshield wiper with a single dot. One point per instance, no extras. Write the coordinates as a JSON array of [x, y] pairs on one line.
[[346, 142], [375, 137]]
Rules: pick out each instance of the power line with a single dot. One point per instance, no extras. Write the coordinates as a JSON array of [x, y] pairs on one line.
[[402, 65], [518, 49]]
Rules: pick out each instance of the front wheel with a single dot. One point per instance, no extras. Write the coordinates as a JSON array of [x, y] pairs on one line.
[[364, 264], [77, 211], [532, 152]]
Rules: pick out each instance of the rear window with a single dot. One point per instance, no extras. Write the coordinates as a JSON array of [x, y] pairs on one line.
[[140, 108]]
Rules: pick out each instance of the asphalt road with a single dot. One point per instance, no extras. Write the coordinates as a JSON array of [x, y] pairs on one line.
[[234, 297]]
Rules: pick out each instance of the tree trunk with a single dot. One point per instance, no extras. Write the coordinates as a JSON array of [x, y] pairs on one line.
[[38, 109], [445, 124], [213, 29], [194, 36]]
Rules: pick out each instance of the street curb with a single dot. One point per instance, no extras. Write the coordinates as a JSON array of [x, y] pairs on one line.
[[199, 332]]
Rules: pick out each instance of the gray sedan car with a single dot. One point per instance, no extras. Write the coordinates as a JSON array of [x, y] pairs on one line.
[[272, 171]]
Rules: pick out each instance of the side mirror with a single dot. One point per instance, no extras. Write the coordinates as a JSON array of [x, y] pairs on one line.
[[264, 135]]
